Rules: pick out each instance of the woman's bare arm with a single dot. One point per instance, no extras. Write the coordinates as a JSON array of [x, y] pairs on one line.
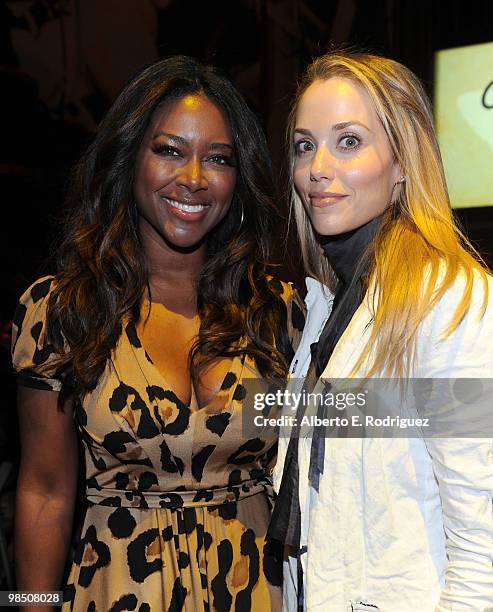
[[46, 490]]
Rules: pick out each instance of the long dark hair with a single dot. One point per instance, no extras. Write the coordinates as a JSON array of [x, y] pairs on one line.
[[102, 271]]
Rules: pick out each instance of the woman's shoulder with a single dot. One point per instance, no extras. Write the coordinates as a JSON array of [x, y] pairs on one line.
[[295, 307], [38, 291], [310, 292], [290, 294], [284, 289], [456, 333], [33, 302], [475, 285], [30, 352]]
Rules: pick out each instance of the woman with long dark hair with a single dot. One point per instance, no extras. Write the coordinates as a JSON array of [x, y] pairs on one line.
[[138, 345], [382, 519]]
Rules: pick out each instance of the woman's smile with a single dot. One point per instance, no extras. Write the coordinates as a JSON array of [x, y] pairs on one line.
[[185, 173], [186, 210], [344, 170], [320, 199]]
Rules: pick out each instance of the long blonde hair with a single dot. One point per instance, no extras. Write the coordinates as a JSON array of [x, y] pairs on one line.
[[418, 250]]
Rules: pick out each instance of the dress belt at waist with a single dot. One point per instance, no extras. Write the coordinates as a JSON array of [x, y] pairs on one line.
[[178, 499]]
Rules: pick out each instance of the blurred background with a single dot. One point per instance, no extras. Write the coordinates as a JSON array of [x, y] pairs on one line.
[[62, 62]]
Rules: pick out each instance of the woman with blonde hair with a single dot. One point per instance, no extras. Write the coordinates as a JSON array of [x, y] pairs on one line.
[[395, 291]]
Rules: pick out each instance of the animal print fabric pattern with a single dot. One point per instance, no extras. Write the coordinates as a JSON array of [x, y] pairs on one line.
[[178, 500]]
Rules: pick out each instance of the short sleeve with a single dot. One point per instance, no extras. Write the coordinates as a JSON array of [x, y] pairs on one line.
[[31, 355]]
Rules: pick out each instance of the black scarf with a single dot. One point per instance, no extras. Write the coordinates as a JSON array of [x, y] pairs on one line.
[[345, 253]]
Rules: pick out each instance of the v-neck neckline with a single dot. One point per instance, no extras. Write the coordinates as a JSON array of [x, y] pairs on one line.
[[145, 362]]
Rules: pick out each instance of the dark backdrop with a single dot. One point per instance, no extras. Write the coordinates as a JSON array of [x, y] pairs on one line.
[[263, 45]]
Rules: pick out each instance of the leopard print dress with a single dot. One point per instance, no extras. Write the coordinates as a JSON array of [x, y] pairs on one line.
[[178, 500]]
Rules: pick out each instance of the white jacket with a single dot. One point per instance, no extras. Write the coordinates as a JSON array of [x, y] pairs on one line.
[[402, 524]]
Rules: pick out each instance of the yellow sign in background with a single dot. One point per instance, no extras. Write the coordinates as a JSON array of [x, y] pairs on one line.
[[464, 122]]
